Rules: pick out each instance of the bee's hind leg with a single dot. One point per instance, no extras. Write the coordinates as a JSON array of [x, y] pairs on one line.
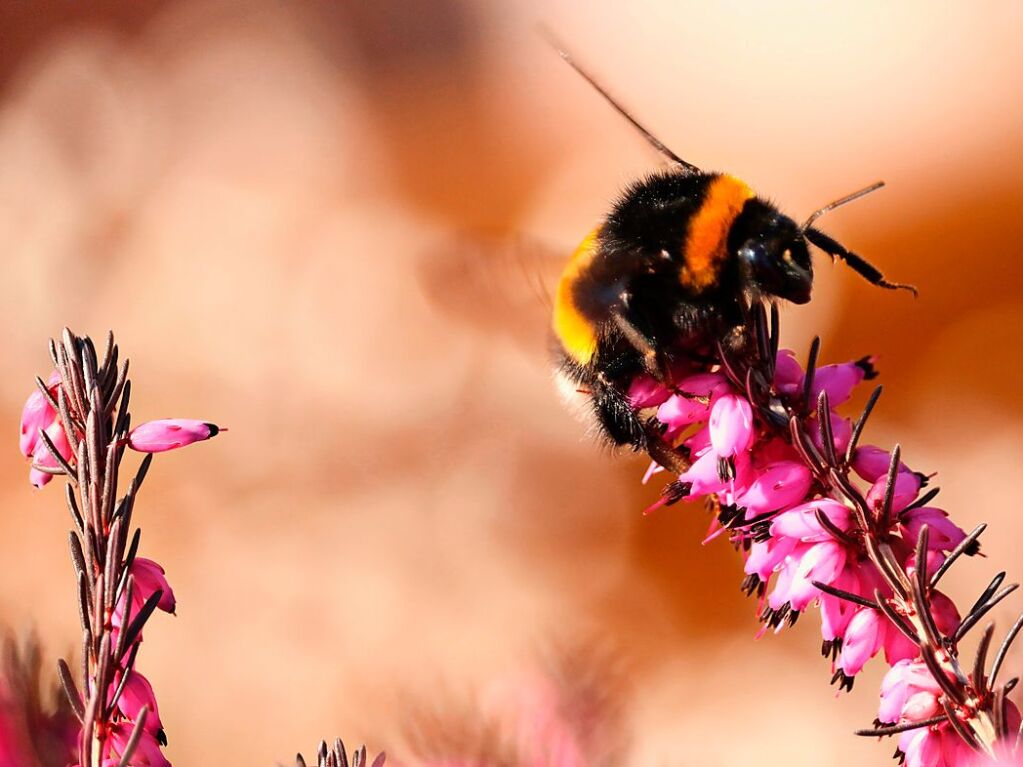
[[655, 362]]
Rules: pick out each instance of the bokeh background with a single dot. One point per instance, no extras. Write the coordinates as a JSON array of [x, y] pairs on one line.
[[327, 226]]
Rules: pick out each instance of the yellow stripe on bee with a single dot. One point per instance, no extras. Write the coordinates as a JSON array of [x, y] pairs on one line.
[[706, 245], [577, 334]]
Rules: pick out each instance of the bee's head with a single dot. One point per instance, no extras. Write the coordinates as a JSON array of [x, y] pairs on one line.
[[772, 253]]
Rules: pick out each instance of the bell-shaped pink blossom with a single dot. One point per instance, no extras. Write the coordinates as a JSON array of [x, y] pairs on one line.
[[943, 533], [863, 638], [731, 425], [945, 613], [872, 462], [923, 748], [765, 557], [169, 434], [836, 613], [907, 486], [704, 385], [138, 692], [841, 432], [838, 381], [788, 374], [904, 680], [678, 411], [147, 752], [776, 486], [646, 391], [43, 457], [801, 522], [821, 562], [36, 416], [149, 578], [704, 475]]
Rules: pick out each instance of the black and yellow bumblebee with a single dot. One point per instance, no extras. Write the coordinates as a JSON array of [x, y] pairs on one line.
[[673, 270]]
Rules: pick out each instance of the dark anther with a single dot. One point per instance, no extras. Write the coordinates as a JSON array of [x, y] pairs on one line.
[[752, 584], [726, 469], [675, 491], [728, 513], [866, 364], [844, 682]]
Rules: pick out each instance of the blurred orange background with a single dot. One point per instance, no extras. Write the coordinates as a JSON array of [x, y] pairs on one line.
[[296, 218]]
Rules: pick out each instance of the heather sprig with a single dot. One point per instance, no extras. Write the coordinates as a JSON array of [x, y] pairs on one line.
[[337, 756], [821, 519], [77, 424]]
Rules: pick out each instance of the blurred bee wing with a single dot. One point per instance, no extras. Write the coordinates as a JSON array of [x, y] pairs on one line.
[[502, 286]]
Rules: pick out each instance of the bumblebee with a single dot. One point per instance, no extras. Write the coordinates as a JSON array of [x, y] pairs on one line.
[[671, 272]]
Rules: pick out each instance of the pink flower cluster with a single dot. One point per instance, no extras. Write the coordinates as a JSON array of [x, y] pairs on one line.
[[39, 418], [803, 543], [910, 693]]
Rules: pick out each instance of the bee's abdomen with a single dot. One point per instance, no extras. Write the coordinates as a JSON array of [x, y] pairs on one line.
[[575, 328]]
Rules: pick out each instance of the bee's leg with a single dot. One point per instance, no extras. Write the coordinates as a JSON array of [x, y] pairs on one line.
[[858, 264], [617, 417], [654, 361]]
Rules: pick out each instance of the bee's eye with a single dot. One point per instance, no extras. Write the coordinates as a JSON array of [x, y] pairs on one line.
[[754, 253]]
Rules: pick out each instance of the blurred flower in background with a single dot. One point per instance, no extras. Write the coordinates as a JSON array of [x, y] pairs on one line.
[[280, 208], [37, 726]]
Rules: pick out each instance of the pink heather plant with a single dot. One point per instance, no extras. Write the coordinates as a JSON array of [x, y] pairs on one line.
[[77, 425], [824, 521]]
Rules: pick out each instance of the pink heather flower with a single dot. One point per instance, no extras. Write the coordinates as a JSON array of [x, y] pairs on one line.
[[867, 634], [801, 521], [43, 457], [169, 434], [839, 380], [841, 432], [777, 485], [147, 753], [731, 425], [910, 694], [943, 533], [38, 416], [908, 680], [646, 391], [149, 578], [872, 463], [788, 374], [678, 411], [822, 562], [138, 692], [907, 486], [704, 476], [938, 746]]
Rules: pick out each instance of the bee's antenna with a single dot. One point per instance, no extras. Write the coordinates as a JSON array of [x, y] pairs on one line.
[[839, 202], [655, 142]]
